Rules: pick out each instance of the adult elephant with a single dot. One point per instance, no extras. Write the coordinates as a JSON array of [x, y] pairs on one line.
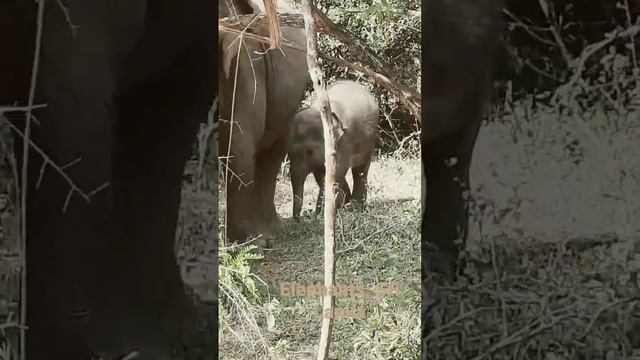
[[126, 83], [260, 92], [461, 39]]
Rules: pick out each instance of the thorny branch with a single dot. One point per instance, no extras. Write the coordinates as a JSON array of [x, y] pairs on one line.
[[59, 169]]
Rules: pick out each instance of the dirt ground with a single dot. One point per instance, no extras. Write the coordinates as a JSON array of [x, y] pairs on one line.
[[376, 247], [553, 243]]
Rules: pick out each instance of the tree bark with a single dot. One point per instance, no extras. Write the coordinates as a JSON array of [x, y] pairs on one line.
[[331, 135]]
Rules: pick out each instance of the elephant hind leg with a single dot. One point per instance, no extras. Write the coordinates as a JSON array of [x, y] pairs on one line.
[[344, 193], [268, 164], [238, 171]]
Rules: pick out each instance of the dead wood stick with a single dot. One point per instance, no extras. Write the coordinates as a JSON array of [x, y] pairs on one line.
[[331, 135]]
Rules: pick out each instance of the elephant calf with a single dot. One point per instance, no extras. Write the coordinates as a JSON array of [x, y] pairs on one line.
[[357, 113]]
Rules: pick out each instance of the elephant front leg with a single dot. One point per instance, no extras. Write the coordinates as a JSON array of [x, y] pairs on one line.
[[445, 218], [344, 193], [360, 174], [319, 176], [298, 175], [149, 161]]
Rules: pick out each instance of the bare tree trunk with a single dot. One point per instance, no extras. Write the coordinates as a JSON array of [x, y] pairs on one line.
[[332, 133]]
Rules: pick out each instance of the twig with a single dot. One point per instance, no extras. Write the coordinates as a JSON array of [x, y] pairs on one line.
[[519, 23], [132, 355], [362, 241], [527, 330], [469, 314], [241, 182], [67, 17], [589, 51], [632, 41], [59, 169], [601, 310], [4, 109], [11, 325], [258, 38], [549, 14], [25, 172]]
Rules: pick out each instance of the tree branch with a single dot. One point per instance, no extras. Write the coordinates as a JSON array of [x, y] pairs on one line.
[[374, 67]]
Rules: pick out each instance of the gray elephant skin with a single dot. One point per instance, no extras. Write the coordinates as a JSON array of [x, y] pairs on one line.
[[126, 84], [461, 39], [356, 111], [268, 86]]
